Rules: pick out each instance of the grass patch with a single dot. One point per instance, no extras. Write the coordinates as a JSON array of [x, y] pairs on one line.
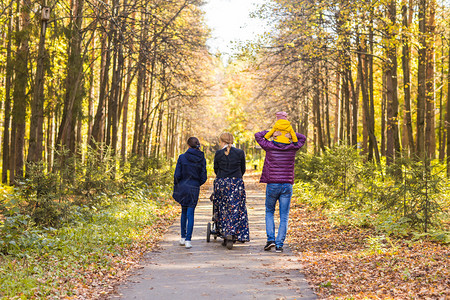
[[86, 256]]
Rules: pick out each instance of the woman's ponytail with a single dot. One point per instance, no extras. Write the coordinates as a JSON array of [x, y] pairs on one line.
[[228, 149], [228, 139]]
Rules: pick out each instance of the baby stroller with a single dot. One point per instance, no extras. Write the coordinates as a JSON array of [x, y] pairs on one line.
[[213, 228]]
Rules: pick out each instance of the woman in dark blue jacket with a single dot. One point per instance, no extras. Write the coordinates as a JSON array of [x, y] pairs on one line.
[[190, 174]]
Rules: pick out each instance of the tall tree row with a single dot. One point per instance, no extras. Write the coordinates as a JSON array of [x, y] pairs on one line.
[[112, 74], [372, 101]]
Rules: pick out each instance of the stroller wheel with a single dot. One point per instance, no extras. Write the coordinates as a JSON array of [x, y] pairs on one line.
[[229, 242], [208, 232], [214, 230]]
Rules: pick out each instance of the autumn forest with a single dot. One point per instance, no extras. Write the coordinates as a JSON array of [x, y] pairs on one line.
[[129, 75], [98, 98]]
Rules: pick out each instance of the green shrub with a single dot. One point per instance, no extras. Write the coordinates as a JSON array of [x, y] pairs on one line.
[[78, 188], [41, 196], [307, 166], [54, 225], [358, 192], [45, 263]]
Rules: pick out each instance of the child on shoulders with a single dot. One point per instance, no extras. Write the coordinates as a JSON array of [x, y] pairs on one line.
[[284, 126]]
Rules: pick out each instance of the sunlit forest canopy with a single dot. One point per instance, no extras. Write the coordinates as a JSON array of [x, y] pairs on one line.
[[369, 74], [137, 77]]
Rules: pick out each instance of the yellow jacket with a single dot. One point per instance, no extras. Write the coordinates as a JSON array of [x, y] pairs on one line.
[[283, 126]]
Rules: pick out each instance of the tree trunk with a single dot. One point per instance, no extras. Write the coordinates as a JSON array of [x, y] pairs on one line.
[[146, 128], [345, 109], [369, 73], [73, 97], [406, 60], [50, 139], [37, 105], [159, 131], [362, 75], [79, 137], [342, 112], [327, 108], [392, 133], [174, 134], [113, 117], [168, 133], [365, 134], [20, 92], [430, 132], [117, 104], [140, 84], [150, 142], [441, 110], [383, 111], [123, 147], [91, 93], [98, 129], [144, 125], [348, 116], [322, 111], [7, 121], [337, 109], [448, 116], [373, 148], [421, 79], [305, 123], [126, 97], [355, 98], [317, 122]]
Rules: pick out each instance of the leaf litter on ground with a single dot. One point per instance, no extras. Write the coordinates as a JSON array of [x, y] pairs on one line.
[[346, 262], [103, 282]]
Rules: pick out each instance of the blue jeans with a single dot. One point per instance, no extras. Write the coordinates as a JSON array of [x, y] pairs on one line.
[[187, 222], [278, 192]]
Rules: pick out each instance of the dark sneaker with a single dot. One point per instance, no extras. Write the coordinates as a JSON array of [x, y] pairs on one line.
[[269, 245], [279, 249]]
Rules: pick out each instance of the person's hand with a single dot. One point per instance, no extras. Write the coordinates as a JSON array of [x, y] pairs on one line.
[[276, 133], [288, 135]]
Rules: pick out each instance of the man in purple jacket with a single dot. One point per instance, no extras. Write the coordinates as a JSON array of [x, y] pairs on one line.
[[278, 173]]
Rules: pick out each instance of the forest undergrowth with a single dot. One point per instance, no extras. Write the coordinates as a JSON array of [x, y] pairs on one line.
[[64, 237], [362, 234]]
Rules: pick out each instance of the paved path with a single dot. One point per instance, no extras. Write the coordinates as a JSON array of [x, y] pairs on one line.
[[210, 271]]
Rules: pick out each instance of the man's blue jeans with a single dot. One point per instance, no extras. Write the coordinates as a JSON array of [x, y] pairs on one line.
[[281, 192], [187, 222]]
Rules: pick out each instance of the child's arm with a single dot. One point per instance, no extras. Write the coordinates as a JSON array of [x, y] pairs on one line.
[[293, 135], [270, 133]]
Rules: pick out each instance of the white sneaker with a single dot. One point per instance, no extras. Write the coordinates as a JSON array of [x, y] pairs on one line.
[[188, 244], [182, 241]]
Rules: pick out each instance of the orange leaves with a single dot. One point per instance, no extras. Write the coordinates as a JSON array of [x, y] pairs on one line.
[[337, 263]]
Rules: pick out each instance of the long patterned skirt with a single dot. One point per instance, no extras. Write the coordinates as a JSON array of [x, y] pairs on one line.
[[230, 198]]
